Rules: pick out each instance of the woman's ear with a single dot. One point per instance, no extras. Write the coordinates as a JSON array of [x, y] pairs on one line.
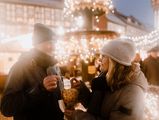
[[111, 70]]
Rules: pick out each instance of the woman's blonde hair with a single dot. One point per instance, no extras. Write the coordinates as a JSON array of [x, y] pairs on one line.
[[118, 75]]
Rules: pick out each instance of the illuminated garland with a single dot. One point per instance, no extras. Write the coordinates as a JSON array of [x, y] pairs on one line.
[[152, 103], [75, 5], [87, 48], [82, 48], [146, 42]]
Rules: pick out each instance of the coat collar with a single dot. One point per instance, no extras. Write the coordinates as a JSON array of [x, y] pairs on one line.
[[43, 60]]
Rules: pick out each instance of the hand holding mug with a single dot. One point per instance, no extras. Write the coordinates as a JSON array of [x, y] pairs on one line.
[[50, 82]]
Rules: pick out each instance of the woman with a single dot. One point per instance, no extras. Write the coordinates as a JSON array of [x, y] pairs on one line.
[[121, 90]]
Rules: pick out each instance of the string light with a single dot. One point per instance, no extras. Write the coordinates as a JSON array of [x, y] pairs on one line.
[[152, 104], [83, 48], [75, 5], [146, 42]]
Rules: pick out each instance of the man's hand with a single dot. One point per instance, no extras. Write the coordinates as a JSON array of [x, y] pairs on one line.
[[50, 82]]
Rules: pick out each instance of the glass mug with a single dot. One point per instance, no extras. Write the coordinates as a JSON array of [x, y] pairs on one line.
[[70, 97]]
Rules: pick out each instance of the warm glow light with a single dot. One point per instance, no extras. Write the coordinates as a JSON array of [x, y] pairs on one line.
[[62, 51], [66, 48], [145, 42], [60, 30], [26, 41], [73, 5], [79, 21], [143, 54], [152, 103], [85, 45]]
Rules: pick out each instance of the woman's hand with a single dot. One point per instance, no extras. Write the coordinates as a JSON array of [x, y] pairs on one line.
[[75, 83]]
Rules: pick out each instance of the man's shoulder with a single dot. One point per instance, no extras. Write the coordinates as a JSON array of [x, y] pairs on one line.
[[25, 60]]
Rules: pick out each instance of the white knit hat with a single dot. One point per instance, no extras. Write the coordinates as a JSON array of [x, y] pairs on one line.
[[121, 51]]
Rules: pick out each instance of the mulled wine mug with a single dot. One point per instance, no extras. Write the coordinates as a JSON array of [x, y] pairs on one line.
[[70, 97]]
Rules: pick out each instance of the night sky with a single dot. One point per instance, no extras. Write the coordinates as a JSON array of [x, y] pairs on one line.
[[140, 9]]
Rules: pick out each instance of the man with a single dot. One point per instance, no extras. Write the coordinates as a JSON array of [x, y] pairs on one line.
[[151, 66], [31, 92]]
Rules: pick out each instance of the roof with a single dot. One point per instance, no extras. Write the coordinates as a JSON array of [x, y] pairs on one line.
[[130, 20], [114, 18]]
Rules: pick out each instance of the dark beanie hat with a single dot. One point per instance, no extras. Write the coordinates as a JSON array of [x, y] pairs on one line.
[[42, 33]]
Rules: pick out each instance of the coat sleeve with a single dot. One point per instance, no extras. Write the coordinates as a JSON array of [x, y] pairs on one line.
[[130, 105], [84, 94], [98, 87], [16, 98], [13, 98]]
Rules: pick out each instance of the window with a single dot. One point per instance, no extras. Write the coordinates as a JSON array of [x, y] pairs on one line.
[[2, 12], [19, 13]]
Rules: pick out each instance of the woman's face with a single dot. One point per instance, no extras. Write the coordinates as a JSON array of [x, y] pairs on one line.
[[104, 63]]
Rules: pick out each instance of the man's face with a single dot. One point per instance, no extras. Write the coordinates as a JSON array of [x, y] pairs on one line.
[[47, 47]]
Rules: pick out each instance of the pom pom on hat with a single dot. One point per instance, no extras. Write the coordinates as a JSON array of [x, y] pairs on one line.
[[42, 33], [121, 51]]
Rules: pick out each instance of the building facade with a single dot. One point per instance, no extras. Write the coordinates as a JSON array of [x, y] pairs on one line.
[[155, 5], [126, 25], [17, 18]]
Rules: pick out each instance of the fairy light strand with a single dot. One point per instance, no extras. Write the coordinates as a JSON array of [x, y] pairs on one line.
[[73, 5], [146, 42]]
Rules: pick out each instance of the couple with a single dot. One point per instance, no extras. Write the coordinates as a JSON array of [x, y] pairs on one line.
[[32, 94]]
